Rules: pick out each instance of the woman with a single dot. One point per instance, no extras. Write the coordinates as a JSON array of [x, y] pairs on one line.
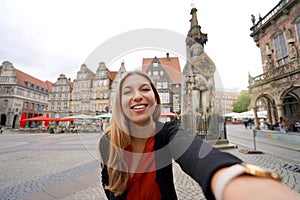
[[137, 152]]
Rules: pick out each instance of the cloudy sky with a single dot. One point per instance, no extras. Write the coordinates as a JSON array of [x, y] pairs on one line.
[[52, 37]]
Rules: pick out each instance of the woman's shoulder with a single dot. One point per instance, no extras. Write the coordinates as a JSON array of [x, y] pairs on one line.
[[167, 129]]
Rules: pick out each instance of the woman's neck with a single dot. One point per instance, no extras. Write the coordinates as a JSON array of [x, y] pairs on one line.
[[141, 132]]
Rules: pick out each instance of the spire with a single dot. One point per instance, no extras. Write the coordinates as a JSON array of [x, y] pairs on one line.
[[195, 30], [122, 68], [194, 20]]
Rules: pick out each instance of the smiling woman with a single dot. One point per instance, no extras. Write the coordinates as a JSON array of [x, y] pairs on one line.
[[137, 153]]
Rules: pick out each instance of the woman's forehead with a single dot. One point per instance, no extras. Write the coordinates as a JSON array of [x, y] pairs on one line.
[[135, 80]]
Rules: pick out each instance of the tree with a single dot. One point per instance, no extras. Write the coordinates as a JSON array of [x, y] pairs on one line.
[[242, 103]]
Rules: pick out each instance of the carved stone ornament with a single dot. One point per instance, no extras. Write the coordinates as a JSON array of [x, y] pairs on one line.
[[204, 65]]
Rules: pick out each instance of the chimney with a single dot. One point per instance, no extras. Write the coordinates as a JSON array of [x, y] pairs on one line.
[[168, 57]]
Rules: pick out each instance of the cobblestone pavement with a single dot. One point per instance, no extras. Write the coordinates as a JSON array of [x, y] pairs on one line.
[[31, 163]]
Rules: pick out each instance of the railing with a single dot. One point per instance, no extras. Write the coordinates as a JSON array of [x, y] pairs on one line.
[[211, 128], [275, 73], [270, 14]]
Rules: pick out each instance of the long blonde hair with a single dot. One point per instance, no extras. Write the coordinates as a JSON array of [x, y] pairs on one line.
[[119, 138]]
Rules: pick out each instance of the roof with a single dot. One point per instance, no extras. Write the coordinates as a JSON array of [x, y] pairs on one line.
[[22, 78], [112, 75], [170, 64]]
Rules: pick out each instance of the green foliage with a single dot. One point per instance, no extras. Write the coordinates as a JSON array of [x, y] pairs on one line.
[[51, 129], [242, 103]]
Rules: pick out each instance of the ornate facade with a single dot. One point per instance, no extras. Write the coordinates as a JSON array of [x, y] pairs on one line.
[[91, 92], [278, 37]]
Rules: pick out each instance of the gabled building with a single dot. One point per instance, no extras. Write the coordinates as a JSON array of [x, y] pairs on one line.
[[117, 76], [82, 91], [166, 74], [21, 95], [60, 97], [100, 93]]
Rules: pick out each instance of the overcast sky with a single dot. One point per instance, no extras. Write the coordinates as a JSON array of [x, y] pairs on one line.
[[52, 37]]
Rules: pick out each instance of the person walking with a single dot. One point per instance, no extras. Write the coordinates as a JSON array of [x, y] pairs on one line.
[[137, 151], [281, 124]]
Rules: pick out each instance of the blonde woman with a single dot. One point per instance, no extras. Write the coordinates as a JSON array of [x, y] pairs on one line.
[[137, 151]]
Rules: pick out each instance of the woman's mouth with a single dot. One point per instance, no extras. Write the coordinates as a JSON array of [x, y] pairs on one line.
[[139, 107]]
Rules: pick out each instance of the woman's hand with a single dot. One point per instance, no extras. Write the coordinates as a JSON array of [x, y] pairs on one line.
[[248, 187]]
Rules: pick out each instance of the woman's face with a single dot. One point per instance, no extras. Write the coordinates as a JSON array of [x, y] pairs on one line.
[[138, 99]]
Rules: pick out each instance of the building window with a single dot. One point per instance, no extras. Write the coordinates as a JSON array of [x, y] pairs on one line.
[[93, 107], [105, 95], [298, 30], [161, 73], [165, 85], [100, 107], [155, 73], [165, 98], [281, 50], [155, 64], [5, 103], [159, 85], [58, 106], [105, 82]]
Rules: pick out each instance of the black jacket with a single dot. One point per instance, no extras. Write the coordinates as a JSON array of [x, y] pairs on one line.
[[195, 157]]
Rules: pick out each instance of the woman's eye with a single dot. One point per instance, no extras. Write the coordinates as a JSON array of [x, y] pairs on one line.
[[126, 92], [146, 89]]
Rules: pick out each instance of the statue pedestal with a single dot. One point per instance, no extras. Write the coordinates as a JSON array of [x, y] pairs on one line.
[[222, 144]]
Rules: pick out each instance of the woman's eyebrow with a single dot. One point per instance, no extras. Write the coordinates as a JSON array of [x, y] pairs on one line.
[[130, 86]]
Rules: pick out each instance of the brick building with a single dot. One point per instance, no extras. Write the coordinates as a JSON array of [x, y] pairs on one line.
[[277, 35]]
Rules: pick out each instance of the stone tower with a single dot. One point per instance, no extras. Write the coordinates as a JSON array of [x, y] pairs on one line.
[[198, 86]]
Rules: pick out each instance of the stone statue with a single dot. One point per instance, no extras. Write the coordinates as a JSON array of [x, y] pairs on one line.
[[253, 19]]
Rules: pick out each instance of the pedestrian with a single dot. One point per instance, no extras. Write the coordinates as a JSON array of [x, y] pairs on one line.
[[137, 151], [246, 123], [250, 122], [281, 124], [101, 128], [1, 128]]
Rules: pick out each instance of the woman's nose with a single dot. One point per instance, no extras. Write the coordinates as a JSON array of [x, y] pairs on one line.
[[137, 95]]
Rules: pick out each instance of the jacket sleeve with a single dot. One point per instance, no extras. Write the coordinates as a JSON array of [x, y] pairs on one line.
[[197, 158]]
